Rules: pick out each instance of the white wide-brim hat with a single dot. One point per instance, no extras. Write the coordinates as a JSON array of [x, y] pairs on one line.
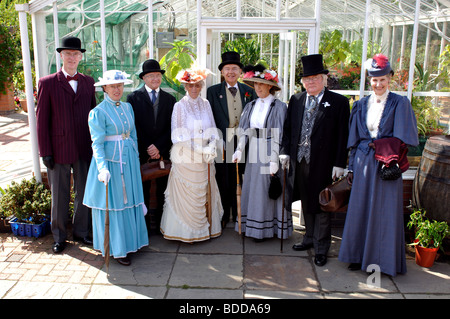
[[113, 77]]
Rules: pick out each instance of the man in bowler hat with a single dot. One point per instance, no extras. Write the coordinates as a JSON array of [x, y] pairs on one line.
[[314, 147], [227, 100], [153, 114], [65, 99]]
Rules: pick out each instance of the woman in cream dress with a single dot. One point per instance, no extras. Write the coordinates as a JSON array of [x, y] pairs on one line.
[[194, 137]]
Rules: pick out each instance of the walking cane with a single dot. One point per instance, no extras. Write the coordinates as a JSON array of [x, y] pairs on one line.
[[208, 200], [238, 198], [282, 206], [106, 239]]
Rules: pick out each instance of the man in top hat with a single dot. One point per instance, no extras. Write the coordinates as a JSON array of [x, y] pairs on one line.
[[227, 100], [153, 114], [65, 99], [314, 147]]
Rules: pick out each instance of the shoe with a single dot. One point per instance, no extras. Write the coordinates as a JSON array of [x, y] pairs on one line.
[[85, 240], [259, 240], [320, 260], [302, 247], [354, 266], [125, 261], [58, 247]]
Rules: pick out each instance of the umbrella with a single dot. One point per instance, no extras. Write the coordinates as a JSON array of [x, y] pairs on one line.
[[238, 197], [208, 199], [106, 239], [282, 207]]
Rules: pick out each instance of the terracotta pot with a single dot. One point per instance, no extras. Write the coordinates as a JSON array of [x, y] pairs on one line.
[[24, 105], [425, 256]]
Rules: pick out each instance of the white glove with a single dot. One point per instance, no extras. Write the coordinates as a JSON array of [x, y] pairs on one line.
[[273, 168], [337, 172], [209, 158], [284, 160], [236, 157], [210, 150], [104, 176]]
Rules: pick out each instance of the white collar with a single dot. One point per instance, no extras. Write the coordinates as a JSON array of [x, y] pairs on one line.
[[267, 99], [232, 86], [149, 90], [67, 74]]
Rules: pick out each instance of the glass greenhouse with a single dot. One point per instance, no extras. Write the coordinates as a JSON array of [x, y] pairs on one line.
[[122, 34]]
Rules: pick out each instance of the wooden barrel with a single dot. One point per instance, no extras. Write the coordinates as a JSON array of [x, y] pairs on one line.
[[431, 188]]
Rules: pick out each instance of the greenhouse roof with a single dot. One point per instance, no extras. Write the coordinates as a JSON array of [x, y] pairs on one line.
[[382, 12]]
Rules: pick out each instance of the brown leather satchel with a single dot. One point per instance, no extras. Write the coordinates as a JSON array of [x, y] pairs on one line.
[[335, 197], [152, 170]]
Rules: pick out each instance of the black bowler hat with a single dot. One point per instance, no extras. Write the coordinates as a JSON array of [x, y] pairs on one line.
[[230, 57], [312, 65], [150, 66], [70, 43]]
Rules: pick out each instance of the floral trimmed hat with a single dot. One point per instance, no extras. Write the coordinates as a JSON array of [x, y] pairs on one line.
[[378, 66], [113, 77], [259, 73], [193, 75]]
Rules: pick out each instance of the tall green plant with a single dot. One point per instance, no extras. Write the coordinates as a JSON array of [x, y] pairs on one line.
[[248, 49], [180, 57], [11, 70]]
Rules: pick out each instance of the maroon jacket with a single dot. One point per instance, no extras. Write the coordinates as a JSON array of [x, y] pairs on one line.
[[62, 118]]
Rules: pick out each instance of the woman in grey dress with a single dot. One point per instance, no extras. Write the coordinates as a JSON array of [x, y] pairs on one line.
[[261, 128]]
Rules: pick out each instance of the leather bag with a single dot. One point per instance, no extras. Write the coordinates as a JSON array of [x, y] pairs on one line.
[[335, 197], [152, 170]]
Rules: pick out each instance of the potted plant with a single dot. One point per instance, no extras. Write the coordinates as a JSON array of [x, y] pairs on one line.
[[5, 227], [29, 202], [428, 237]]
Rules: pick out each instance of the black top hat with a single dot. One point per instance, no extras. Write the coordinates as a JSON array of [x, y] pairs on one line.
[[230, 57], [150, 66], [70, 43], [312, 65]]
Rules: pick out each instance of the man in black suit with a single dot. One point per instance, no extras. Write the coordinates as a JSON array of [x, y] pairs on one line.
[[227, 100], [153, 114], [314, 146]]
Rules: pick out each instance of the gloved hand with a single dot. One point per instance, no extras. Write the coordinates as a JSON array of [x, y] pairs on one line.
[[236, 158], [273, 168], [48, 161], [104, 176], [284, 160], [337, 172], [210, 150]]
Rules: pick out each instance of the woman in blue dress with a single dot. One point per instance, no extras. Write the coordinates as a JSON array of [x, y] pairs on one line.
[[374, 226], [115, 163]]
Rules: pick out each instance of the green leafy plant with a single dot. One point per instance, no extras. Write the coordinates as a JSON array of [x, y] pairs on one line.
[[9, 55], [428, 233], [249, 50], [180, 57], [28, 200]]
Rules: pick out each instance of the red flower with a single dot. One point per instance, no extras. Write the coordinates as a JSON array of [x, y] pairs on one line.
[[247, 94]]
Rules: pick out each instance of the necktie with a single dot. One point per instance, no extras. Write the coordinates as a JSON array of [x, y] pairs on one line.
[[312, 102], [153, 96], [70, 78], [233, 90]]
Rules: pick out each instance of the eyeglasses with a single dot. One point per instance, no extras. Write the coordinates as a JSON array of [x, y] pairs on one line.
[[71, 54], [156, 76], [234, 69], [312, 78]]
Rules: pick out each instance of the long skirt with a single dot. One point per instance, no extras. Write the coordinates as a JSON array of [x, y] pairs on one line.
[[374, 228], [127, 231], [184, 216], [261, 215]]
